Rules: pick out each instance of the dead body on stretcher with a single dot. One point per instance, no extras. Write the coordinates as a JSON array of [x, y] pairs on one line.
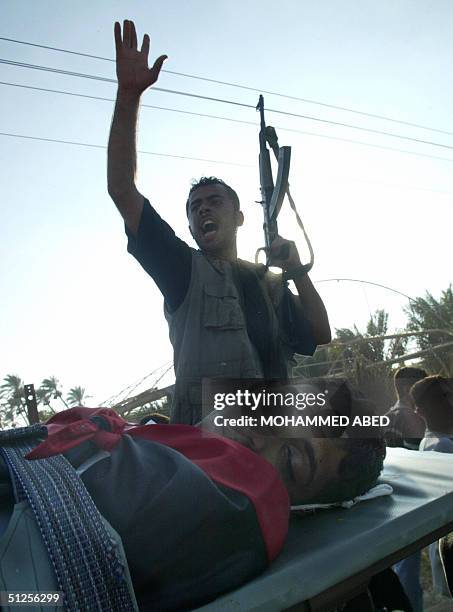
[[186, 501]]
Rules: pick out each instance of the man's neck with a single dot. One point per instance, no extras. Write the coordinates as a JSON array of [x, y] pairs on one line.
[[224, 255], [405, 400]]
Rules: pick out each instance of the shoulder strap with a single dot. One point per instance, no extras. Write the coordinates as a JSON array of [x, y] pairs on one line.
[[87, 565]]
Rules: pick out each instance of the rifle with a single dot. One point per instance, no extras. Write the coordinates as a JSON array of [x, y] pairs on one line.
[[273, 195]]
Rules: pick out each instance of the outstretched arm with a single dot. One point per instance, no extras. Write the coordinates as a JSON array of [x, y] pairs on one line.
[[134, 77]]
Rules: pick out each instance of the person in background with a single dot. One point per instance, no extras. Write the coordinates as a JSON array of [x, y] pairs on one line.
[[406, 428], [433, 398]]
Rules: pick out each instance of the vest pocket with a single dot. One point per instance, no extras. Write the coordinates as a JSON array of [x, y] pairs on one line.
[[221, 308]]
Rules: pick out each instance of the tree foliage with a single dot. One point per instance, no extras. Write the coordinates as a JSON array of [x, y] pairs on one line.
[[49, 397], [12, 400], [351, 347], [76, 396], [361, 361], [370, 364], [429, 313]]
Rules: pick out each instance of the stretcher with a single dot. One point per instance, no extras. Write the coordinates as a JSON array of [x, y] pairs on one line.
[[331, 555]]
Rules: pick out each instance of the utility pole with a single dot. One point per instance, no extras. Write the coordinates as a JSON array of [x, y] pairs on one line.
[[32, 406]]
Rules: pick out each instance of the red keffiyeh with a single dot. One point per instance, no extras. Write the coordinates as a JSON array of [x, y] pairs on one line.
[[224, 461]]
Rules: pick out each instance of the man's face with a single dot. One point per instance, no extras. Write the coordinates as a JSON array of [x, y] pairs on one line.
[[213, 219], [306, 465]]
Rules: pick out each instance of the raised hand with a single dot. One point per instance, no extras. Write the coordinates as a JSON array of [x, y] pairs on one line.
[[132, 70]]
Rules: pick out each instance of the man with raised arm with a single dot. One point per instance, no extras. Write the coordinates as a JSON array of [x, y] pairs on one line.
[[228, 318]]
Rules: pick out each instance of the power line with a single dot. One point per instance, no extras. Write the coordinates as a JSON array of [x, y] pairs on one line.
[[357, 280], [107, 80], [369, 144], [142, 105], [30, 44], [96, 146], [363, 129], [231, 119], [55, 70], [239, 86], [415, 300], [232, 102], [408, 297]]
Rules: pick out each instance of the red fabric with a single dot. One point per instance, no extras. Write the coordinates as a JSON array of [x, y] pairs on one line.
[[224, 461], [72, 427]]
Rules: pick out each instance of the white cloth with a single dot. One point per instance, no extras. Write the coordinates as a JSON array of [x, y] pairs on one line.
[[437, 441], [377, 491]]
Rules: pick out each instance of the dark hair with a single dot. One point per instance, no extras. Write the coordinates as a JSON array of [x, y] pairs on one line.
[[213, 180], [405, 377], [432, 396], [358, 471]]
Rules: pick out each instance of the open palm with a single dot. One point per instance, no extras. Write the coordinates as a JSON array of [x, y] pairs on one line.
[[131, 64]]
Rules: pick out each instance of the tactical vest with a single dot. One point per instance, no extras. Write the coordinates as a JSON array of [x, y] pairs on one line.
[[209, 334]]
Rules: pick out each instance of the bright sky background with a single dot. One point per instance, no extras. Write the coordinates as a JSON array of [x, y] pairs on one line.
[[75, 305]]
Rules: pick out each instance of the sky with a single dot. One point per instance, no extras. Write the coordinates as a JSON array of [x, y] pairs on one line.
[[76, 306]]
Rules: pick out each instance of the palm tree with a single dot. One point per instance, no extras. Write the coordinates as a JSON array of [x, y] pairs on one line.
[[361, 361], [48, 390], [76, 396], [13, 404], [12, 398], [350, 347]]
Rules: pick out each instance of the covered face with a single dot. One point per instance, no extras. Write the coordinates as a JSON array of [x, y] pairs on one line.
[[213, 219]]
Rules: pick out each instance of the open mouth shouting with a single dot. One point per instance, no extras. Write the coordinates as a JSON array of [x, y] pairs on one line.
[[209, 228]]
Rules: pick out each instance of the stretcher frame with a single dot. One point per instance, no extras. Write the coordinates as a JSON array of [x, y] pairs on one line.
[[312, 576]]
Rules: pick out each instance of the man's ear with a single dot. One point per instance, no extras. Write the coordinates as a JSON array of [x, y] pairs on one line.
[[239, 218], [191, 232]]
